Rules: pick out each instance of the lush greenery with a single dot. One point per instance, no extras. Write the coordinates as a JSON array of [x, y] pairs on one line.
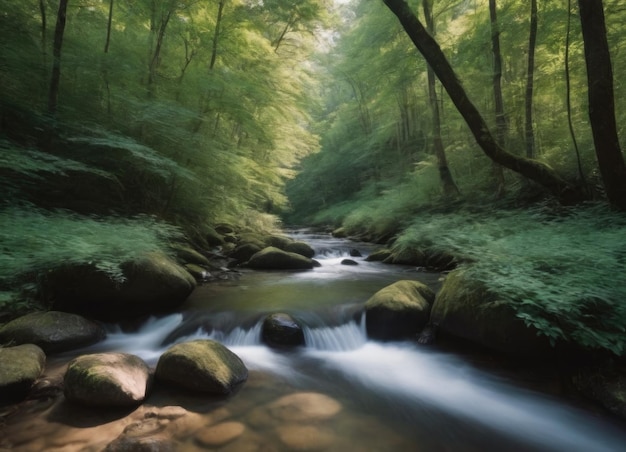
[[561, 269], [187, 113], [378, 173], [140, 121]]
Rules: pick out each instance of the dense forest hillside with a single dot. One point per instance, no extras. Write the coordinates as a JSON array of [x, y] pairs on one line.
[[126, 124]]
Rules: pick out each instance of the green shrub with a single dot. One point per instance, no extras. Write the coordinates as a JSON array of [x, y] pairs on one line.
[[33, 240], [563, 273]]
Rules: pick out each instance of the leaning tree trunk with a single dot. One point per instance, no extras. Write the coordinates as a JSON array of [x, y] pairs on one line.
[[601, 102], [447, 181], [430, 50], [55, 79]]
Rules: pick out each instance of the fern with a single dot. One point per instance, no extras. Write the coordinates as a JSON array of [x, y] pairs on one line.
[[33, 241], [561, 273]]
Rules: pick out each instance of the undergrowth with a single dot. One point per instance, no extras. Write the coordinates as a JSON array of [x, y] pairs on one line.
[[33, 240], [562, 272]]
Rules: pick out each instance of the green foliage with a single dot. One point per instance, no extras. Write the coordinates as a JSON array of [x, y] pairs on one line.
[[34, 240], [562, 272]]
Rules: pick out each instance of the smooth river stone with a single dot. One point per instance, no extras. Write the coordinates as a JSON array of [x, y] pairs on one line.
[[220, 434], [304, 437], [304, 407]]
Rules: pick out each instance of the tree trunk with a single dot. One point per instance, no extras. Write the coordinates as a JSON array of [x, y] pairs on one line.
[[601, 102], [568, 96], [529, 130], [501, 125], [447, 182], [109, 22], [216, 34], [55, 79], [428, 47]]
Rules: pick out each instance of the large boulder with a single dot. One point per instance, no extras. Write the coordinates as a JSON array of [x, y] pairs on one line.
[[202, 365], [19, 368], [151, 284], [278, 241], [272, 258], [107, 380], [428, 257], [398, 311], [465, 309], [299, 247], [53, 331], [282, 330]]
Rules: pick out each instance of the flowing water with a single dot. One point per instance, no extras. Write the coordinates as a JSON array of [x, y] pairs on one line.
[[341, 392]]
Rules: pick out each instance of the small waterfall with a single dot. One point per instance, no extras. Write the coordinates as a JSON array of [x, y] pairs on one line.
[[345, 337], [238, 337]]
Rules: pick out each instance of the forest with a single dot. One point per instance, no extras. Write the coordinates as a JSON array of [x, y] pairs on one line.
[[488, 129]]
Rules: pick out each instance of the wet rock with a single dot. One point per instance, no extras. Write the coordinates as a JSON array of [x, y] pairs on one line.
[[107, 380], [349, 262], [220, 434], [278, 241], [53, 331], [190, 256], [272, 258], [304, 407], [142, 444], [199, 273], [465, 309], [20, 367], [305, 437], [606, 385], [245, 251], [398, 311], [282, 330], [378, 255], [152, 283], [355, 253], [201, 365], [301, 248]]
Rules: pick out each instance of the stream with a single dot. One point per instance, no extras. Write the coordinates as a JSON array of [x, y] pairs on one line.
[[359, 395]]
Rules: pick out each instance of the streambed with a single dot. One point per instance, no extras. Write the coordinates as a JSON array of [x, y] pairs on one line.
[[341, 392]]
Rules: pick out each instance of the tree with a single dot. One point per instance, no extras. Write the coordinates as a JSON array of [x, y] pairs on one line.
[[449, 186], [602, 102], [430, 50], [501, 124], [529, 131], [55, 79]]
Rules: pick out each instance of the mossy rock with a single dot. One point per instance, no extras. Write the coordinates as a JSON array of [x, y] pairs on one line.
[[107, 380], [190, 256], [379, 255], [465, 309], [212, 237], [279, 241], [53, 331], [20, 367], [153, 283], [272, 258], [202, 365], [398, 311], [245, 251], [299, 247]]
